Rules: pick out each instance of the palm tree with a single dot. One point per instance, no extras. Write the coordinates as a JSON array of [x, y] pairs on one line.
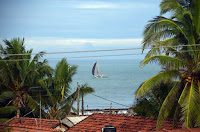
[[84, 90], [57, 90], [6, 111], [18, 72], [150, 104], [174, 44]]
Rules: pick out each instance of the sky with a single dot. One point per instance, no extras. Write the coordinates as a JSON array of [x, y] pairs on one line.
[[74, 25]]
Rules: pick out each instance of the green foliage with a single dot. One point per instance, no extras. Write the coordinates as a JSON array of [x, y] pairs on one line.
[[7, 110], [150, 104], [146, 108], [6, 95], [155, 81], [18, 73], [174, 44], [85, 89], [57, 90]]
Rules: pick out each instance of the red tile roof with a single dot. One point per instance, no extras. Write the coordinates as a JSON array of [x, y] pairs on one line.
[[33, 124], [178, 130], [123, 123]]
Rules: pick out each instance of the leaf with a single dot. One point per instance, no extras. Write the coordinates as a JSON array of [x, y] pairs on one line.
[[191, 106], [164, 60], [85, 89], [171, 6], [4, 120], [62, 93], [32, 103], [6, 95], [168, 105], [155, 80], [7, 110]]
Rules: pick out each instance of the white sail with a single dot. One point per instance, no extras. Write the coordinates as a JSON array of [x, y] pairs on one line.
[[98, 72]]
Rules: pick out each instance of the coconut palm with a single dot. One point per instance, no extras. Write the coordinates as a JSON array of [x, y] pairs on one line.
[[84, 90], [56, 90], [174, 44], [80, 92], [19, 72], [150, 104], [6, 111]]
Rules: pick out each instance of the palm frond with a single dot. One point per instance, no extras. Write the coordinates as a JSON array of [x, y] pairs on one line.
[[85, 89], [4, 120], [32, 103], [196, 15], [155, 80], [160, 28], [163, 47], [183, 94], [8, 110], [45, 86], [6, 95], [171, 6], [168, 105], [165, 60], [191, 106]]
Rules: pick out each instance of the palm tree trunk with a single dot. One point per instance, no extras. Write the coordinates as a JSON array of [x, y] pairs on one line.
[[72, 102], [18, 113], [82, 105], [78, 101]]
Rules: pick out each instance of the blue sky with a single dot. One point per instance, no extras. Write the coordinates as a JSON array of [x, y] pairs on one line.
[[69, 25]]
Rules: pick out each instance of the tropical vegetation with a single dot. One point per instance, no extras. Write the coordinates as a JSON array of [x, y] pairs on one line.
[[16, 77], [84, 90], [30, 87], [174, 42], [57, 90], [150, 104]]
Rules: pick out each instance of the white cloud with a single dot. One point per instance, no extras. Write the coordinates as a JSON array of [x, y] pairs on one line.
[[78, 44], [73, 44], [109, 5], [97, 5]]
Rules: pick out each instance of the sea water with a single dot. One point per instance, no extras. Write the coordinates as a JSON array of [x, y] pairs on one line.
[[118, 89]]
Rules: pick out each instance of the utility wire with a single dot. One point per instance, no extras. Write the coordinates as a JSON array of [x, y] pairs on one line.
[[72, 57], [86, 51], [91, 56], [109, 100], [92, 94], [71, 52]]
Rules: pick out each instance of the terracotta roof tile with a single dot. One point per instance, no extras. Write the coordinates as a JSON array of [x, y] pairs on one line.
[[47, 123], [96, 122], [33, 123], [31, 127]]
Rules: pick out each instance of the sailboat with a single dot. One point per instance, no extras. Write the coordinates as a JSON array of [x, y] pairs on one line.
[[98, 72]]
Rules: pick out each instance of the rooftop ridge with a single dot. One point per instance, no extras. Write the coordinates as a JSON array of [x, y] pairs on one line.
[[75, 115], [125, 115]]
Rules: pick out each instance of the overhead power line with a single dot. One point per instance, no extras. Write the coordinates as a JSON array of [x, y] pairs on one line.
[[109, 100], [92, 94], [72, 52], [90, 51], [94, 56], [72, 57]]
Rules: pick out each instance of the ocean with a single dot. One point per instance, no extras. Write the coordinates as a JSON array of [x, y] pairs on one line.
[[118, 89]]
